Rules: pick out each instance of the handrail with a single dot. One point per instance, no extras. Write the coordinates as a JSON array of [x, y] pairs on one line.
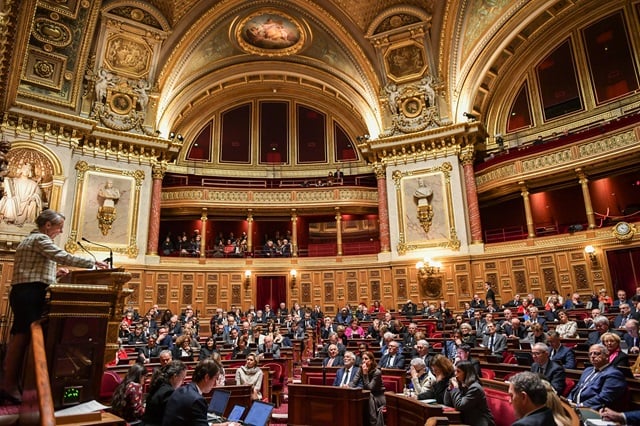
[[43, 387]]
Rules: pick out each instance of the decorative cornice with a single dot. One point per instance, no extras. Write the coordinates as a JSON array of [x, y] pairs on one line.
[[562, 159], [83, 137]]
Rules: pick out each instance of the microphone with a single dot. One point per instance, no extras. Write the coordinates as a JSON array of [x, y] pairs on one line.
[[109, 259], [90, 254]]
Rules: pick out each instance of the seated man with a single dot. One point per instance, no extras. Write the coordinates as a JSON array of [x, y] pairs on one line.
[[529, 397], [187, 406], [559, 352], [392, 359], [551, 370], [496, 343], [600, 385], [348, 372], [268, 347]]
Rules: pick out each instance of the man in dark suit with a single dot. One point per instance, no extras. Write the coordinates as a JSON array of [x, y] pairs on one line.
[[392, 359], [187, 406], [552, 371], [268, 347], [560, 353], [409, 309], [625, 315], [529, 397], [601, 327], [622, 298], [626, 418], [496, 343], [348, 372], [333, 359], [151, 350], [490, 293], [602, 384]]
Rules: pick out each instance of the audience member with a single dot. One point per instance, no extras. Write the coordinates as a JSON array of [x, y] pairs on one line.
[[251, 374], [165, 380], [466, 395], [528, 397], [552, 371], [127, 398], [371, 378], [345, 374], [442, 369]]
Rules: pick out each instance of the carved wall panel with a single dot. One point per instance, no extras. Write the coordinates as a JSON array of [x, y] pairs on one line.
[[328, 292], [550, 282], [306, 292], [187, 294], [520, 278], [162, 295], [352, 291], [401, 284], [236, 294], [212, 294], [375, 290]]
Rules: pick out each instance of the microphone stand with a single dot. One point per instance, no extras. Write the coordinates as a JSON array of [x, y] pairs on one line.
[[109, 260], [90, 254]]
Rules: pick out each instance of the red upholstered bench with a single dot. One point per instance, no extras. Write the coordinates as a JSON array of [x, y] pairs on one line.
[[500, 407]]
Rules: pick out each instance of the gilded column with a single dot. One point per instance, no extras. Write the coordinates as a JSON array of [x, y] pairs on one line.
[[527, 209], [158, 171], [339, 230], [466, 156], [294, 233], [588, 207], [203, 234], [250, 231], [383, 208]]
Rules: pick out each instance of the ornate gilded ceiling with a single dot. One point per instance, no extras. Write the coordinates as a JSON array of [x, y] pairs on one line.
[[137, 70]]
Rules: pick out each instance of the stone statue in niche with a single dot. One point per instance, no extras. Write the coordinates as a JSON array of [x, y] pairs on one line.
[[393, 97], [423, 195], [22, 200]]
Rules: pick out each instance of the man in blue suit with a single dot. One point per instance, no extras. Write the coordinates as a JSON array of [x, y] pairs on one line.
[[559, 352], [626, 418], [601, 385], [392, 359], [551, 370], [348, 372], [528, 397], [187, 406]]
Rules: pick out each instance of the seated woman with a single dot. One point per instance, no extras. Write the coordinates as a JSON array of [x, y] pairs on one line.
[[465, 394], [250, 374], [208, 349], [566, 329], [442, 369], [354, 331], [182, 349], [241, 351], [164, 382], [371, 378], [126, 401], [617, 358]]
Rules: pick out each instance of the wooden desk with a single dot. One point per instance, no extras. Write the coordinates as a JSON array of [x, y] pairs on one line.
[[327, 405], [101, 419], [405, 411]]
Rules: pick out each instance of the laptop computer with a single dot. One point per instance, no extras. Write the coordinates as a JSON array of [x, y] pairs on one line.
[[259, 414], [218, 404], [236, 413]]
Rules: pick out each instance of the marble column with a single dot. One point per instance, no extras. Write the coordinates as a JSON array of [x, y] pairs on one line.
[[339, 230], [294, 233], [383, 208], [588, 207], [527, 209], [158, 171], [203, 234], [466, 156], [250, 231]]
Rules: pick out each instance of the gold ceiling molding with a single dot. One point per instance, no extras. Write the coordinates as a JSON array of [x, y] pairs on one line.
[[82, 137], [429, 144]]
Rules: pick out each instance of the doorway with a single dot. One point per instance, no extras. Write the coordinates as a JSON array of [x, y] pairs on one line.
[[624, 267], [271, 290]]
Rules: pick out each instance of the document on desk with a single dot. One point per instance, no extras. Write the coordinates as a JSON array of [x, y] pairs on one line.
[[84, 408]]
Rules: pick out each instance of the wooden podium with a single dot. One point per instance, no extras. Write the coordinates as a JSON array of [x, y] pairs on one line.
[[327, 405], [81, 333]]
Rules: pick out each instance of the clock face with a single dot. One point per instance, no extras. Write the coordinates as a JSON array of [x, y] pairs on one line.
[[623, 231]]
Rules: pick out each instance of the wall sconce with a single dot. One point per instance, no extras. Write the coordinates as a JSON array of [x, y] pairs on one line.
[[293, 274], [247, 278], [428, 267], [591, 251]]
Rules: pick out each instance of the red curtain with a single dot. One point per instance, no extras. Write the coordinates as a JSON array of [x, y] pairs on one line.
[[271, 290], [624, 266]]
